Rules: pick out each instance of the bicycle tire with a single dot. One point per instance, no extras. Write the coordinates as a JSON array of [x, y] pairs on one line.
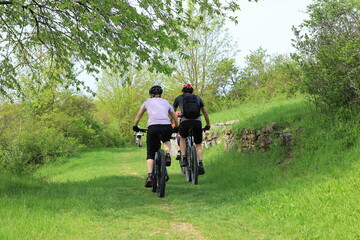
[[155, 181], [187, 170], [161, 174], [194, 166]]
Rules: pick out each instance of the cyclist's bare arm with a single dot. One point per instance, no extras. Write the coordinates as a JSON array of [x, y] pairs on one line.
[[138, 116], [174, 118], [206, 115]]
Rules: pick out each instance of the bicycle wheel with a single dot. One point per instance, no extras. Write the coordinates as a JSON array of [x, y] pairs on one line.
[[161, 174], [155, 179], [187, 170], [194, 166]]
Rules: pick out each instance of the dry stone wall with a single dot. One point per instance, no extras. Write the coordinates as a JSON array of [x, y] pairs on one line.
[[248, 140], [251, 140]]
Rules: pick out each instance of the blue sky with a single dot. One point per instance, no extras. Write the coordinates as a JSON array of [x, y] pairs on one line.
[[267, 23]]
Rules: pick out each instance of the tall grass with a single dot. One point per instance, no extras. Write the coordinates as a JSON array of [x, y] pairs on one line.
[[100, 195]]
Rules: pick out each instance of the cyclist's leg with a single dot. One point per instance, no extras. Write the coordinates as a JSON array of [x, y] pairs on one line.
[[165, 138], [178, 156], [184, 132], [152, 139], [197, 131], [199, 150], [198, 143], [152, 146]]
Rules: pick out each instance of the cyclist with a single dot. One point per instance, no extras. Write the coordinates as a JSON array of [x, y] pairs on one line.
[[186, 123], [159, 123], [138, 135]]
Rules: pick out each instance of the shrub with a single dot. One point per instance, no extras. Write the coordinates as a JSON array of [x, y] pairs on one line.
[[35, 146], [328, 52]]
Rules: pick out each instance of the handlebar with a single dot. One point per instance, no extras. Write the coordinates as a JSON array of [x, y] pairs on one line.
[[145, 130], [142, 130]]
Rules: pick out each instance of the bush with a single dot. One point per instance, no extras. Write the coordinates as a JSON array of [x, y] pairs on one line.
[[109, 136], [35, 146], [328, 52]]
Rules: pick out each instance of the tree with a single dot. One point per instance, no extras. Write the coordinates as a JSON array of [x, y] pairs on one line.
[[265, 77], [94, 33], [119, 98], [329, 53], [225, 76], [206, 47]]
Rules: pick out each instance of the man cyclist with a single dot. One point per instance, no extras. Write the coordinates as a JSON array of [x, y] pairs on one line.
[[195, 123], [158, 110]]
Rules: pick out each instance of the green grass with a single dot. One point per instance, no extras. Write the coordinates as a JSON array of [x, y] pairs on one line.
[[250, 112], [100, 195]]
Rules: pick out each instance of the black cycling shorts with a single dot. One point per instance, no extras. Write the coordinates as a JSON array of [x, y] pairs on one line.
[[197, 129], [152, 138]]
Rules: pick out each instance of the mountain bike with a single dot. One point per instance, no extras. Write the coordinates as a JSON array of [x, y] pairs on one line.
[[191, 170], [160, 175]]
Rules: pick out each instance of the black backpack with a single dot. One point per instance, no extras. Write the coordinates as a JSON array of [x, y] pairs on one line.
[[191, 106]]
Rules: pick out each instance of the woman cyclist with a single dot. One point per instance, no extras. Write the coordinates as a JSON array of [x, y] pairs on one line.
[[159, 124]]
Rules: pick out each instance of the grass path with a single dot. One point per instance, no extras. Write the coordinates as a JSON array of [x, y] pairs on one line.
[[97, 196], [100, 195]]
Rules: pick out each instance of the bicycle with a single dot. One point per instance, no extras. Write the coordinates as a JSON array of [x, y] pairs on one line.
[[191, 171], [160, 175]]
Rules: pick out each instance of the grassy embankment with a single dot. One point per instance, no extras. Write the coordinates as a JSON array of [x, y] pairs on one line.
[[100, 195]]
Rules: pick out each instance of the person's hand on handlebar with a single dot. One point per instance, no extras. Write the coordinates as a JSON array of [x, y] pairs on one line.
[[206, 128], [136, 128]]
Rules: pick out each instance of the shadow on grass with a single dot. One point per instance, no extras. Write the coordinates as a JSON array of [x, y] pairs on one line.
[[100, 195]]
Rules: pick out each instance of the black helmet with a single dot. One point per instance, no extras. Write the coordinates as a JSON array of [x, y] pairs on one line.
[[155, 90], [187, 88]]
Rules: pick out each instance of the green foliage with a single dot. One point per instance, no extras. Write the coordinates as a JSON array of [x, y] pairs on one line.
[[119, 100], [109, 136], [72, 114], [216, 104], [34, 145], [95, 34], [211, 55], [46, 125], [265, 77], [328, 51]]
